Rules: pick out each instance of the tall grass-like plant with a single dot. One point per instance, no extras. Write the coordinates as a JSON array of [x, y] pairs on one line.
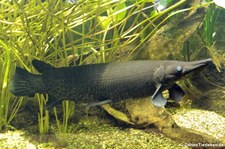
[[43, 115], [68, 111], [209, 33], [209, 24], [5, 97], [7, 111]]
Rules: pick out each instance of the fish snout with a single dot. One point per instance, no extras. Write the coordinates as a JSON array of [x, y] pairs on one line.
[[196, 66]]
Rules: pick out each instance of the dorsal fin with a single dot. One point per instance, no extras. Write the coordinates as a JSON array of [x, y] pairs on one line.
[[41, 66]]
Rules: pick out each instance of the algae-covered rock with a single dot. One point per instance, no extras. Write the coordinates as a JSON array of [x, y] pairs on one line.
[[141, 113]]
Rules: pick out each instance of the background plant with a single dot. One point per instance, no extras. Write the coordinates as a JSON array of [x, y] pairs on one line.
[[5, 70], [209, 32]]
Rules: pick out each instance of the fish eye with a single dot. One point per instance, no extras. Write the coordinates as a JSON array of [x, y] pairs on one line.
[[179, 68]]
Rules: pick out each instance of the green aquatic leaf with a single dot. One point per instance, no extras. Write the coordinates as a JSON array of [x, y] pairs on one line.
[[120, 13], [117, 114], [105, 21], [114, 15]]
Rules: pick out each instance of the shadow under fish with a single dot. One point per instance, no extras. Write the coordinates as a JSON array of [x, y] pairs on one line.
[[99, 84]]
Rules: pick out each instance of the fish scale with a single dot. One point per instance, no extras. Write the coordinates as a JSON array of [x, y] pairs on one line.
[[101, 81]]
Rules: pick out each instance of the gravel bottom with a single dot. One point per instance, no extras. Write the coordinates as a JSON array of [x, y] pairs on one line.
[[102, 136], [204, 121], [122, 139], [105, 137], [15, 140]]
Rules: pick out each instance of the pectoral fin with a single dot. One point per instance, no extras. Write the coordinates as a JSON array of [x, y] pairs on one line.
[[98, 103], [157, 98], [176, 93]]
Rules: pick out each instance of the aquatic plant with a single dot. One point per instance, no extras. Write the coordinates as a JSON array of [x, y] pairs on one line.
[[7, 112], [43, 115], [68, 112], [209, 33]]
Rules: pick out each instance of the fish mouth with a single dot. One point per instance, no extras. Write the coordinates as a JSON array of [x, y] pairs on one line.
[[196, 66]]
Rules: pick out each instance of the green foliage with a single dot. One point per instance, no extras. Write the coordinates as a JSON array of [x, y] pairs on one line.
[[43, 115], [209, 24], [7, 112], [68, 112], [209, 33]]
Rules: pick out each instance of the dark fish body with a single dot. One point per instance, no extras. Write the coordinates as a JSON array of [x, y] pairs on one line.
[[100, 82]]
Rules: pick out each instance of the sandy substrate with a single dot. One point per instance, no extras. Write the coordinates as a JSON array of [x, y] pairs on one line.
[[14, 140], [204, 121], [111, 138], [107, 136]]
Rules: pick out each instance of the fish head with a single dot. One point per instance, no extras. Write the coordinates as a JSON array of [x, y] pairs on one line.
[[166, 75], [177, 70]]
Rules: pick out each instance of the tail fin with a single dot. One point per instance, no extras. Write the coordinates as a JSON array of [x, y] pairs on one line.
[[23, 83]]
